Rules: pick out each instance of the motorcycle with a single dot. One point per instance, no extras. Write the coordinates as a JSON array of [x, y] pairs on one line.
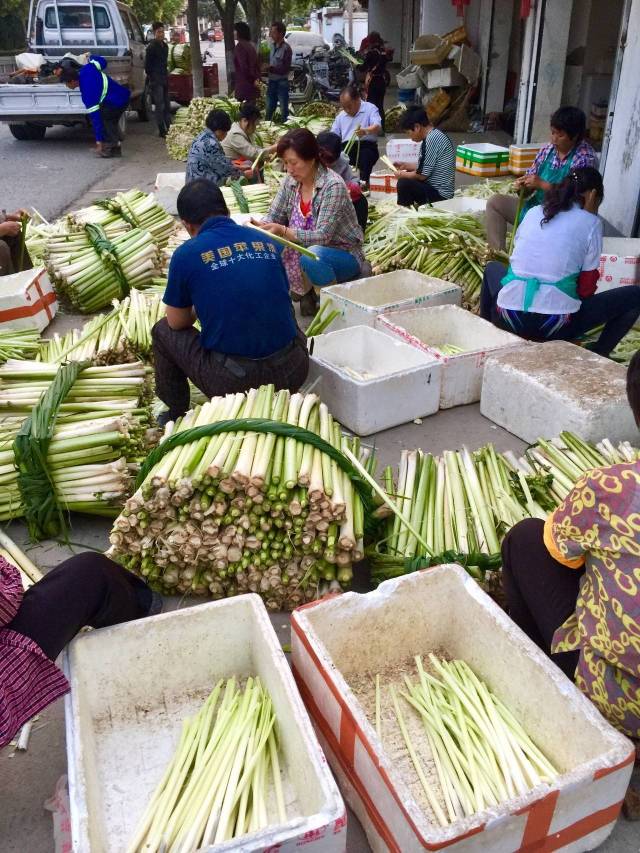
[[323, 74]]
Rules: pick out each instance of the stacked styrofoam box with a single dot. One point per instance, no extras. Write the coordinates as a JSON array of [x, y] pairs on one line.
[[403, 151], [361, 301], [461, 204], [132, 687], [372, 382], [430, 328], [619, 262], [558, 386], [521, 157], [27, 300], [483, 159], [445, 611], [171, 180], [445, 78]]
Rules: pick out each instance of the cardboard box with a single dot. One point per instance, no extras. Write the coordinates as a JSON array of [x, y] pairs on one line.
[[468, 63], [429, 50], [132, 686], [27, 300], [619, 262], [483, 159], [436, 102], [347, 637]]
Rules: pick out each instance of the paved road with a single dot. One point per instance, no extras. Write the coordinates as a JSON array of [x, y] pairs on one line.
[[52, 174]]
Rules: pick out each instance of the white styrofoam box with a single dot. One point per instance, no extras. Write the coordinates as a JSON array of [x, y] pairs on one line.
[[403, 151], [173, 180], [132, 686], [461, 204], [341, 641], [558, 386], [445, 77], [428, 328], [27, 300], [371, 382], [619, 262], [362, 300], [379, 182]]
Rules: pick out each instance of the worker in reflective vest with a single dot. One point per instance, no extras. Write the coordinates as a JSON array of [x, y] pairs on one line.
[[104, 99]]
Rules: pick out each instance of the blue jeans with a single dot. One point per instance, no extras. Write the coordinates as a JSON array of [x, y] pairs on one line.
[[332, 265], [277, 91]]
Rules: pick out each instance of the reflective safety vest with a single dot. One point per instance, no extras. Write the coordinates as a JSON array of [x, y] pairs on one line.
[[105, 86]]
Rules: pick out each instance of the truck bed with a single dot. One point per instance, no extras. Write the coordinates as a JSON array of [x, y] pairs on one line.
[[40, 102]]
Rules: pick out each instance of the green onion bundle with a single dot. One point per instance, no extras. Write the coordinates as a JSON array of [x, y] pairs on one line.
[[481, 753], [19, 343], [255, 198], [392, 118], [101, 434], [317, 109], [139, 210], [322, 320], [434, 242], [91, 280], [487, 188], [121, 336], [246, 511], [179, 59], [225, 778]]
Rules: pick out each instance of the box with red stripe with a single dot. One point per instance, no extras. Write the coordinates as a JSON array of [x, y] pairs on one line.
[[27, 300], [339, 641]]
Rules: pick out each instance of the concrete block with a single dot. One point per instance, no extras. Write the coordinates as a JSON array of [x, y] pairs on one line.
[[557, 386]]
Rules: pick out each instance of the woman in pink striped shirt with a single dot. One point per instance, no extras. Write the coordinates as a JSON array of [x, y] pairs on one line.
[[88, 589]]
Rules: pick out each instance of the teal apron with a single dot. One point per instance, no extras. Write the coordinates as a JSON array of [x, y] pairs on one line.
[[550, 175], [568, 285]]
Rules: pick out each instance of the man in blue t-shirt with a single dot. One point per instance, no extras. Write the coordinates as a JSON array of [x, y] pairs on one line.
[[232, 280]]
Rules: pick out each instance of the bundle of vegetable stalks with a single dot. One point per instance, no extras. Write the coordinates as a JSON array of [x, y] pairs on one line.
[[190, 121], [135, 208], [459, 504], [392, 118], [488, 187], [179, 59], [260, 498], [317, 109], [91, 270], [19, 343], [122, 335], [224, 780], [101, 433], [247, 198], [322, 320], [434, 242], [481, 753], [560, 461]]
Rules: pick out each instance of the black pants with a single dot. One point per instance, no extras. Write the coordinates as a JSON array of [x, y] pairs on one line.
[[375, 95], [88, 589], [179, 356], [541, 592], [617, 309], [412, 191], [364, 157], [159, 87], [361, 206], [110, 117]]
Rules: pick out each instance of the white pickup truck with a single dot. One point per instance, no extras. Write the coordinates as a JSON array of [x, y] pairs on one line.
[[55, 27]]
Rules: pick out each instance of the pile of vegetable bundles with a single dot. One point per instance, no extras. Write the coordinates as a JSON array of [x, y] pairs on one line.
[[248, 492]]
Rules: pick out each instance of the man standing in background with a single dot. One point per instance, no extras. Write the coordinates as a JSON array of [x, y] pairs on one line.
[[280, 58], [155, 66]]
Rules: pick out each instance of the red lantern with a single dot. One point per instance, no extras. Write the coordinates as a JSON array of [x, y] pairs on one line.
[[460, 4], [525, 8]]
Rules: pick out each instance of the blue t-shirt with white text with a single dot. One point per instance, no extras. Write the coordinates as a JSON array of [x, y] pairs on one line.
[[234, 278]]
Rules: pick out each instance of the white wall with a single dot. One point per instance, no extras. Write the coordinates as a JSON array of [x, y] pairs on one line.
[[553, 57], [440, 17], [385, 17], [622, 167]]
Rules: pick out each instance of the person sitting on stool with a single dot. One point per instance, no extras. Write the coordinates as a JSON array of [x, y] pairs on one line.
[[363, 119], [231, 278], [333, 158], [434, 177]]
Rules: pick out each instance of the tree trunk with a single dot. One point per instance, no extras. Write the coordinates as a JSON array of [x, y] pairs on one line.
[[194, 43], [253, 11], [227, 18]]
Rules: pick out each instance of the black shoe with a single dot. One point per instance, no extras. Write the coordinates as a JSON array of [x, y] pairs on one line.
[[309, 304]]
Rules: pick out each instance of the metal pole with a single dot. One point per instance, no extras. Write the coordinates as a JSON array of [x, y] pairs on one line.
[[350, 22]]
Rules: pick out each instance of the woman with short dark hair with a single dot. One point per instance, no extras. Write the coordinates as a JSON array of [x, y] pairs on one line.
[[313, 208], [567, 151], [206, 158], [246, 64]]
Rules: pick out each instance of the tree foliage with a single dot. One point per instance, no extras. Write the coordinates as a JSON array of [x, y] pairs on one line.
[[157, 10]]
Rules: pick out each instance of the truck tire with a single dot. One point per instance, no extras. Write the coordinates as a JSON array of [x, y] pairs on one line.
[[27, 132], [145, 105]]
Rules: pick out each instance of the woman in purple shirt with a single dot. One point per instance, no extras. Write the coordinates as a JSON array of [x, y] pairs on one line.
[[245, 64]]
